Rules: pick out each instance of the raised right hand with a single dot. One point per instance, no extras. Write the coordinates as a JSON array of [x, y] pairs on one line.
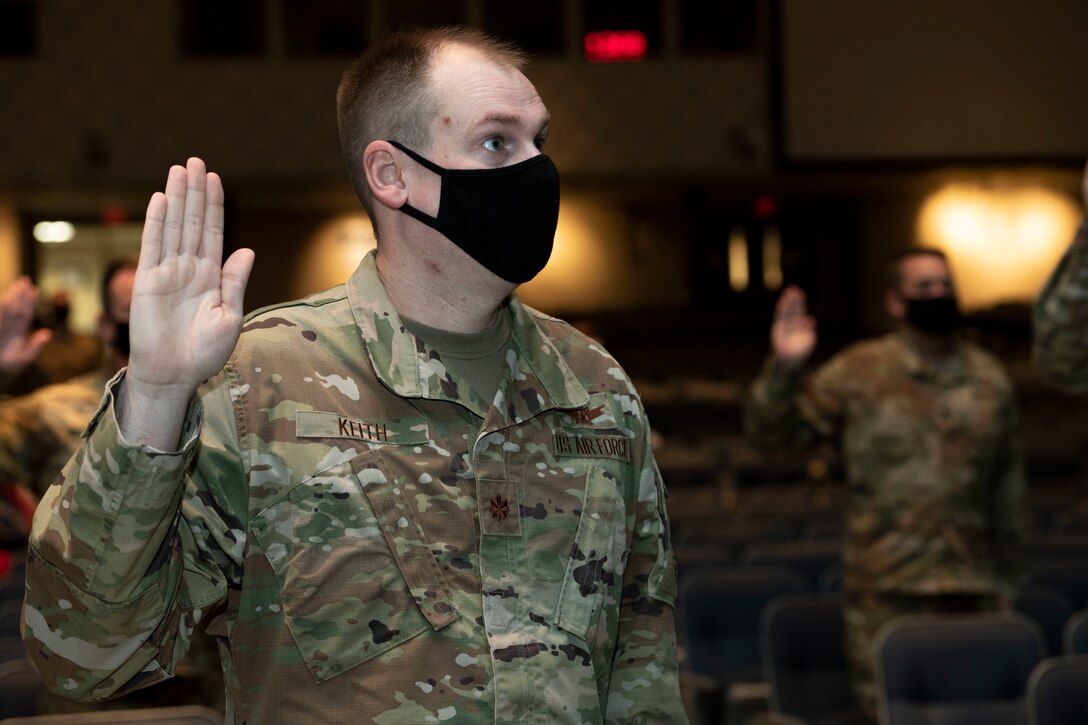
[[793, 332], [186, 306]]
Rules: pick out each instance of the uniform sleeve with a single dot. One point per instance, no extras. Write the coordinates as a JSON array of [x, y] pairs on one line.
[[1061, 319], [1009, 530], [128, 553], [784, 411], [645, 685]]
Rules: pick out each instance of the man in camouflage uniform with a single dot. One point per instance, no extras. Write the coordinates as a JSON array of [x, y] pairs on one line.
[[1061, 316], [927, 426], [374, 529]]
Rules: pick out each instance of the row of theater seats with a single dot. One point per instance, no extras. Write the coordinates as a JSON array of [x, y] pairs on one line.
[[731, 567], [992, 669]]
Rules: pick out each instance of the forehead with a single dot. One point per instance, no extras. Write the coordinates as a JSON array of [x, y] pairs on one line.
[[924, 267], [470, 89]]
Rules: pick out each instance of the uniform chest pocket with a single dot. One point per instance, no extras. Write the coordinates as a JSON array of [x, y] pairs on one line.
[[598, 556], [354, 568]]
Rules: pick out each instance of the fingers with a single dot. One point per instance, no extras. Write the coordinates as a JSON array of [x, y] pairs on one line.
[[151, 241], [19, 300], [192, 229], [174, 220], [791, 304], [211, 243], [235, 276], [36, 342], [187, 218]]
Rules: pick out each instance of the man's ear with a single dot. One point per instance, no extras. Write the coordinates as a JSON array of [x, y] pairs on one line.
[[383, 175], [894, 305]]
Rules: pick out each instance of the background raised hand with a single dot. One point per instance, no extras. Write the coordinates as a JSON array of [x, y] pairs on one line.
[[793, 332], [19, 346]]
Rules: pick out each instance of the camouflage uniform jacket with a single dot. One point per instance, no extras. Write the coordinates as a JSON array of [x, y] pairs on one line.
[[39, 432], [369, 539], [937, 483], [1061, 318]]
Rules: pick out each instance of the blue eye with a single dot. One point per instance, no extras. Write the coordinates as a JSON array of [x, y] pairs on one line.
[[495, 143]]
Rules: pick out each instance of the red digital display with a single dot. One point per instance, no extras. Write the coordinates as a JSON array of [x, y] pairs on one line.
[[615, 46]]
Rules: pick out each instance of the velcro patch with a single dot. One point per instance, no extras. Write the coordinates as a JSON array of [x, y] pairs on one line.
[[584, 445], [500, 508], [399, 431]]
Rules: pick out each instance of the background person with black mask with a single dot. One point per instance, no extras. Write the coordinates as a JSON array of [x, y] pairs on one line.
[[926, 424]]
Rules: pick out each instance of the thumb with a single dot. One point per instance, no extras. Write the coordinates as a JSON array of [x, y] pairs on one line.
[[36, 341], [235, 277]]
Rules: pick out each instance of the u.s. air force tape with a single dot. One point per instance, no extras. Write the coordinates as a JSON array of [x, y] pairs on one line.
[[592, 446]]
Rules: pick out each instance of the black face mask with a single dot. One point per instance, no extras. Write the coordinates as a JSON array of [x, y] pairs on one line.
[[504, 218], [121, 341], [935, 315]]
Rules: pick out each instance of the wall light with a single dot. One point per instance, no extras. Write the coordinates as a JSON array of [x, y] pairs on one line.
[[1002, 243], [738, 259], [332, 253], [772, 258], [54, 232]]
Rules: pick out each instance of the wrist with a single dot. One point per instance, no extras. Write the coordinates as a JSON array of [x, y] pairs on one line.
[[152, 414], [138, 387]]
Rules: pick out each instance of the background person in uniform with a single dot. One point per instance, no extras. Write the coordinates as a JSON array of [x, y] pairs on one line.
[[39, 432], [66, 354], [1061, 315], [927, 426], [407, 499]]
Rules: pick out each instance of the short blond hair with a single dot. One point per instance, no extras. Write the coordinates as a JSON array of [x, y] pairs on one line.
[[386, 92]]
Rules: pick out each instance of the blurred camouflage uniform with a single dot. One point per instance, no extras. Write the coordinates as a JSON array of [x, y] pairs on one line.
[[1061, 319], [935, 519], [369, 539], [39, 432]]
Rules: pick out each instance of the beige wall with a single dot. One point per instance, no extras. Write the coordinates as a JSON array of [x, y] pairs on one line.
[[10, 254]]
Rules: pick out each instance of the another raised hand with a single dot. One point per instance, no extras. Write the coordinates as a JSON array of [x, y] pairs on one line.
[[186, 305], [18, 346], [793, 332]]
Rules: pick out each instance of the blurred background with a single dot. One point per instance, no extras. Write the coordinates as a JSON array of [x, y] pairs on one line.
[[710, 153]]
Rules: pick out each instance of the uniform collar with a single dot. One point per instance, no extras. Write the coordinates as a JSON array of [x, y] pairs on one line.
[[954, 368], [536, 377]]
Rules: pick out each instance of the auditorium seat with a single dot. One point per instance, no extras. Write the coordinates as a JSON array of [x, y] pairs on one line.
[[1058, 691], [804, 659], [718, 618], [956, 669]]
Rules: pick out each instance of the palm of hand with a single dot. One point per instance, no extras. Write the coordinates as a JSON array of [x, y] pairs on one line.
[[177, 306], [793, 339]]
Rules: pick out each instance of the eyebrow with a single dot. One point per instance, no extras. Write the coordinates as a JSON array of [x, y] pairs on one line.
[[511, 119]]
